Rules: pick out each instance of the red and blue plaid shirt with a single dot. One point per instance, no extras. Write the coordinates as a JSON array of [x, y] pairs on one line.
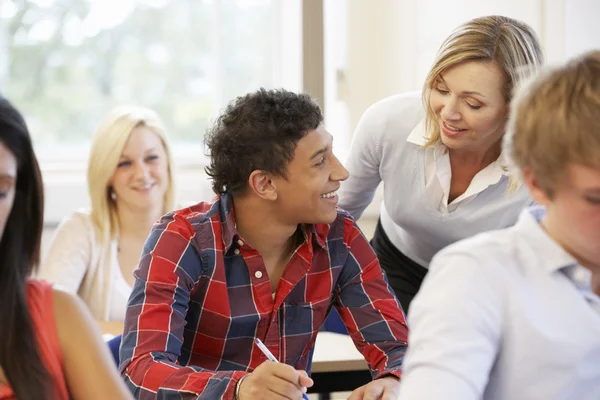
[[202, 295]]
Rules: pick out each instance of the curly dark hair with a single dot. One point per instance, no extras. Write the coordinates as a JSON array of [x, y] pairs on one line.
[[258, 131]]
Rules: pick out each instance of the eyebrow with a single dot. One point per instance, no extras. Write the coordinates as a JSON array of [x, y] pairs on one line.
[[322, 150], [319, 152], [467, 92], [150, 150]]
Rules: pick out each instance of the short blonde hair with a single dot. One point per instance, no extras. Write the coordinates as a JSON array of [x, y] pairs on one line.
[[511, 44], [555, 121], [107, 145]]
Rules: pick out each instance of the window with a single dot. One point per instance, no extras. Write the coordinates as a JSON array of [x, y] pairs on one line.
[[66, 63]]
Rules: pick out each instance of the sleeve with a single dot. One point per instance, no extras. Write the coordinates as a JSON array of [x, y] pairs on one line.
[[456, 327], [70, 253], [363, 161], [169, 269], [369, 309]]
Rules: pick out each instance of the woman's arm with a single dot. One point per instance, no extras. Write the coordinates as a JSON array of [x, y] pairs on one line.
[[362, 163], [89, 368]]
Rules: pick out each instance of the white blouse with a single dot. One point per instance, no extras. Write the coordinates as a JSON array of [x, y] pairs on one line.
[[415, 214]]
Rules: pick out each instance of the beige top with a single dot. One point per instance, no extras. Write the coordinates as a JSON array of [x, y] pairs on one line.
[[77, 263]]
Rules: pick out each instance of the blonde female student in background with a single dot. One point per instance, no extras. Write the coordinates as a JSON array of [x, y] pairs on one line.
[[515, 313], [438, 152], [130, 181], [50, 348]]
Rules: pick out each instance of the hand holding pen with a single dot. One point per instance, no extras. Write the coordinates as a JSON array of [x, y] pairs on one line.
[[273, 380]]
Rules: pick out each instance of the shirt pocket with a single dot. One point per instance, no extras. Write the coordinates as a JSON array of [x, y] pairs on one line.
[[304, 318]]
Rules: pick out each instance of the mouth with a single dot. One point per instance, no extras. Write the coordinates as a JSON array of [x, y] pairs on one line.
[[330, 196], [144, 188], [450, 130]]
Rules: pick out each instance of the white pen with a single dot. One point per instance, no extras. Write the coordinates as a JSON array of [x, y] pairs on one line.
[[271, 357]]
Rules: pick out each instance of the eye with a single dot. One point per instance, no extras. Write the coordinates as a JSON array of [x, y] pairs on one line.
[[124, 164], [152, 157], [3, 195], [441, 91], [321, 161], [472, 106], [593, 200]]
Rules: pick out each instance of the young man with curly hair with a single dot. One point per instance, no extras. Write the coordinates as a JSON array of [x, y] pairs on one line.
[[267, 259]]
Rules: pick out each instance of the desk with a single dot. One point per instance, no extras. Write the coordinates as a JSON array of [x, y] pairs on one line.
[[337, 366], [335, 352], [110, 328]]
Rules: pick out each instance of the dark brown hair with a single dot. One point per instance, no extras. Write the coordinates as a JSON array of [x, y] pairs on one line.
[[20, 358], [258, 131]]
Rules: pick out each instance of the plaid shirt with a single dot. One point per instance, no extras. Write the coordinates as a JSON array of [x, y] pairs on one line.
[[202, 295]]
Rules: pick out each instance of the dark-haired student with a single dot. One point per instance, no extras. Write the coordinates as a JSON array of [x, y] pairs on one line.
[[49, 345], [267, 259]]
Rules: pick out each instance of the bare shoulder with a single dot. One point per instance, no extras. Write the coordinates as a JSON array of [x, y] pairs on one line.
[[70, 313]]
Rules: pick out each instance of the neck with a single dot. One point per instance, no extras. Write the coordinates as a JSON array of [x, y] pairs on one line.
[[137, 223], [256, 223], [478, 159]]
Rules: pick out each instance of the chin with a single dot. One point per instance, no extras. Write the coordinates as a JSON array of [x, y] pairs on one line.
[[328, 218]]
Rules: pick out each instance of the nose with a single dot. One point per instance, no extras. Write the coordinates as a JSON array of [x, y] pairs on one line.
[[339, 172], [141, 171], [450, 111]]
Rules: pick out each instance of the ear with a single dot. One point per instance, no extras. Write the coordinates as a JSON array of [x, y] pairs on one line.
[[262, 184], [539, 195]]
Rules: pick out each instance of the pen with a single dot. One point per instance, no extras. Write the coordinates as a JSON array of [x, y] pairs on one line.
[[271, 357]]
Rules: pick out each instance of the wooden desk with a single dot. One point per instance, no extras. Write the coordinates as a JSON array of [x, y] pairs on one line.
[[335, 352], [337, 366], [110, 329]]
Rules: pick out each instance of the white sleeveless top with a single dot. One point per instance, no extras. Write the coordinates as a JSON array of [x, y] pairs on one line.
[[119, 296]]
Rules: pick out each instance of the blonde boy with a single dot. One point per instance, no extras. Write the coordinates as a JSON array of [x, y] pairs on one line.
[[515, 313]]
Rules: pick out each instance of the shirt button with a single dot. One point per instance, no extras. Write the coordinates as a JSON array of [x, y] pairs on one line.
[[240, 243], [236, 251], [258, 274]]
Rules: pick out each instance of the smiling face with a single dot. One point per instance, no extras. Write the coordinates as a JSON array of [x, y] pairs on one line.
[[469, 106], [308, 194], [141, 178], [8, 182]]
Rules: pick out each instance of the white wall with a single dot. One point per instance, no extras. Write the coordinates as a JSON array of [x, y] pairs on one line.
[[392, 43], [582, 26]]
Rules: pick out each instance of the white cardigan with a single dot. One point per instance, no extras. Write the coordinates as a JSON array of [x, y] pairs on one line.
[[76, 263]]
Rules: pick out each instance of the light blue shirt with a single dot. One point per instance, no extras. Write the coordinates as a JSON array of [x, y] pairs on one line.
[[504, 315]]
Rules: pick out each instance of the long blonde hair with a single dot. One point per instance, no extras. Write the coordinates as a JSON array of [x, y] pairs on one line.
[[511, 44], [107, 146]]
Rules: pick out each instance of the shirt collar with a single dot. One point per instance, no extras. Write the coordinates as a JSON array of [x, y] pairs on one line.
[[554, 257], [318, 233], [229, 231], [420, 137]]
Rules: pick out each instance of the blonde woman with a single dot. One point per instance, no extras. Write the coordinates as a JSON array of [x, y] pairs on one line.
[[516, 311], [438, 153], [130, 182]]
